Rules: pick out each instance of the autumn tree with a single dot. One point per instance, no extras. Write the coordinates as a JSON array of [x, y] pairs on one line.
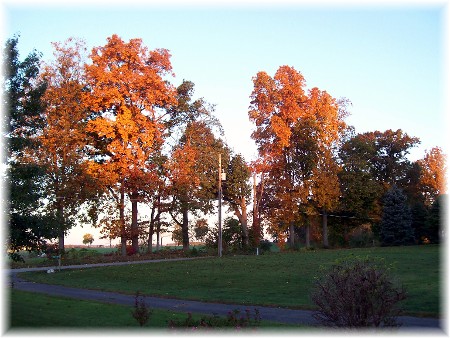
[[193, 170], [276, 104], [328, 129], [63, 140], [432, 180], [88, 239], [185, 111], [129, 100], [193, 164], [29, 225], [297, 133], [425, 185]]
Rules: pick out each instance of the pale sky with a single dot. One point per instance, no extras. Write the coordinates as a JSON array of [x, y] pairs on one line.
[[388, 60]]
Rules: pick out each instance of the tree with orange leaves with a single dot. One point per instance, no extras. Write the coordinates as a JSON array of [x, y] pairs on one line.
[[63, 139], [129, 100], [297, 134], [328, 115], [432, 180]]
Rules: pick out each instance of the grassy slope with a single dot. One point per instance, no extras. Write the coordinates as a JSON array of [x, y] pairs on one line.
[[279, 279]]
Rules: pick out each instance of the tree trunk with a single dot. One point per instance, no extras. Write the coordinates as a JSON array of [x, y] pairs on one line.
[[158, 229], [134, 223], [150, 237], [243, 220], [325, 228], [291, 235], [244, 223], [150, 232], [61, 241], [185, 229], [123, 234], [61, 226], [307, 234], [256, 226]]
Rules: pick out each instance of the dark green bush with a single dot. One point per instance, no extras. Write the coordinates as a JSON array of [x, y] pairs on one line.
[[265, 245], [361, 237]]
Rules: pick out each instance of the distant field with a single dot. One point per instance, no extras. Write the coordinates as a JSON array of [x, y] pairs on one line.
[[86, 255], [283, 279]]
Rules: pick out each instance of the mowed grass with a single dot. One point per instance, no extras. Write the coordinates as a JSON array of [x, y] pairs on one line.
[[34, 310], [284, 279]]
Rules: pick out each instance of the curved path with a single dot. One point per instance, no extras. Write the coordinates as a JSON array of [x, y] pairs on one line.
[[281, 315]]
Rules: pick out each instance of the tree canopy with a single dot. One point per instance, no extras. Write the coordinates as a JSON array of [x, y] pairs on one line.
[[96, 137]]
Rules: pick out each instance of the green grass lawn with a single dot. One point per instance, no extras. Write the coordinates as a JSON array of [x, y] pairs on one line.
[[33, 310], [283, 279]]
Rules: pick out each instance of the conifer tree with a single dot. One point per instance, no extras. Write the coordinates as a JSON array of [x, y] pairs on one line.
[[396, 226]]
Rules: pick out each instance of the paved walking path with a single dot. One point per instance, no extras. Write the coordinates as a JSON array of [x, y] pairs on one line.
[[267, 313]]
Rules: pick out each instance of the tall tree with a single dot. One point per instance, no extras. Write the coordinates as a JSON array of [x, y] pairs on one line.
[[237, 191], [435, 220], [185, 111], [361, 192], [389, 163], [193, 170], [396, 226], [29, 225], [372, 163], [129, 99], [432, 180], [63, 139], [297, 133], [192, 167], [276, 105], [329, 128]]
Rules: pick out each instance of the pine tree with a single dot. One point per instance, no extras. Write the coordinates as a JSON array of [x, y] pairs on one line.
[[433, 222], [29, 226], [396, 226]]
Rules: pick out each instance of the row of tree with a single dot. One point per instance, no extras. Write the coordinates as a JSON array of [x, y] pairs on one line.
[[85, 139], [313, 164], [90, 136]]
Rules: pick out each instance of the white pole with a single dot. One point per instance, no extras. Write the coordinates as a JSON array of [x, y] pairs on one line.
[[220, 207]]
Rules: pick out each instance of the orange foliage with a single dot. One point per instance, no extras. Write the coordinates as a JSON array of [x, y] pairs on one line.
[[432, 180], [296, 134], [63, 137], [130, 97], [276, 104]]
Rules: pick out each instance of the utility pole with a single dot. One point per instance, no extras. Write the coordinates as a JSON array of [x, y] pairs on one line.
[[219, 244]]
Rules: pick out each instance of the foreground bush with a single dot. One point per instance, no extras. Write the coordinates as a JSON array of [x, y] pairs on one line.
[[357, 293], [234, 319], [141, 311]]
